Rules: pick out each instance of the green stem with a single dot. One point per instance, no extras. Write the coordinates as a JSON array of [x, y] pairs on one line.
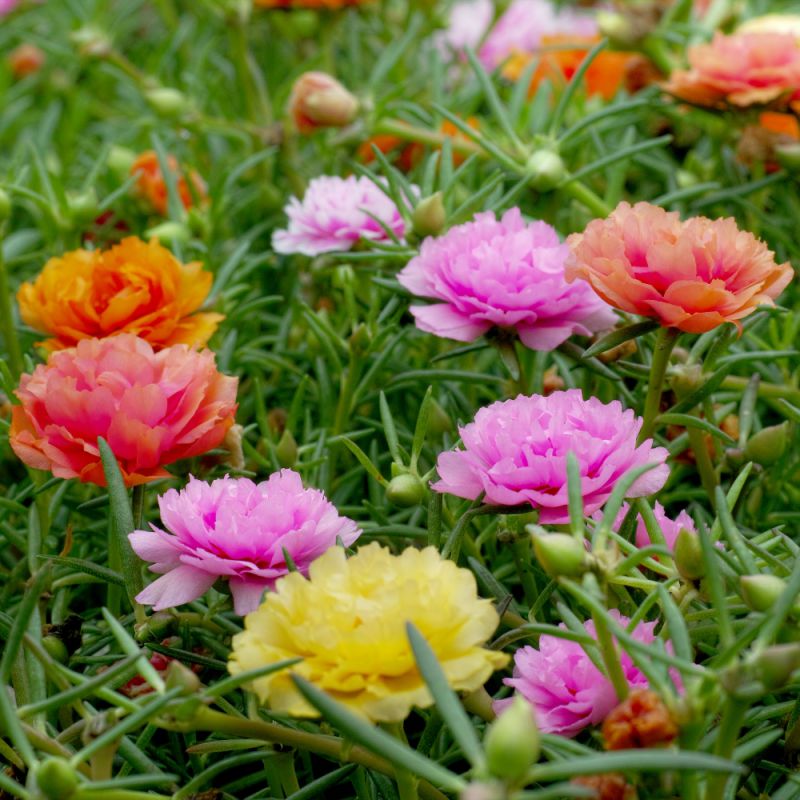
[[728, 734], [768, 391], [137, 505], [259, 107], [579, 191], [610, 657], [521, 551], [708, 475], [412, 133], [7, 320], [665, 342], [407, 783]]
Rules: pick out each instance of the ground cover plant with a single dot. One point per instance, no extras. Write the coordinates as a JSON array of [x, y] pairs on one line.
[[399, 399]]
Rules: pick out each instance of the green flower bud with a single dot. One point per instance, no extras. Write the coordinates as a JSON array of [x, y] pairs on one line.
[[169, 233], [429, 217], [760, 592], [55, 648], [168, 102], [686, 378], [56, 779], [618, 28], [197, 220], [788, 155], [120, 160], [776, 665], [181, 676], [360, 340], [91, 42], [484, 791], [83, 206], [156, 626], [512, 742], [560, 554], [688, 555], [5, 205], [405, 490], [304, 23], [546, 170], [439, 420], [768, 445], [286, 451]]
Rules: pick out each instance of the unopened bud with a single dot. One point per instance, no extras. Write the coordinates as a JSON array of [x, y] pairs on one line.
[[760, 592], [512, 742], [405, 491], [169, 233], [776, 665], [83, 206], [56, 779], [439, 420], [618, 29], [168, 102], [688, 555], [788, 155], [286, 451], [91, 42], [560, 554], [5, 205], [318, 100], [360, 340], [120, 161], [484, 790], [545, 169], [27, 59], [768, 445], [686, 378], [180, 676], [429, 217], [56, 648]]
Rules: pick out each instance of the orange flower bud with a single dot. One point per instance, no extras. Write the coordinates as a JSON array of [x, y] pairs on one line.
[[26, 59], [318, 100], [152, 186], [641, 720], [612, 786]]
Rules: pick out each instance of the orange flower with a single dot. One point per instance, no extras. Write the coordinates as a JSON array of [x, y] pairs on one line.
[[692, 275], [152, 186], [152, 408], [318, 100], [134, 287], [26, 59], [560, 57], [611, 786], [783, 125], [332, 5], [641, 720], [742, 69]]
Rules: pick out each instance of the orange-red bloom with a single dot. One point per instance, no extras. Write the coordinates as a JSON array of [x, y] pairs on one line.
[[560, 57], [133, 287], [318, 100], [611, 786], [152, 408], [153, 188], [641, 720], [691, 275], [742, 69], [26, 59]]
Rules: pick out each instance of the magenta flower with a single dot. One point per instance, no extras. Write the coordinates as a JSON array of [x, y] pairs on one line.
[[516, 452], [504, 273], [235, 529], [521, 28], [7, 6], [669, 527], [334, 214], [567, 691]]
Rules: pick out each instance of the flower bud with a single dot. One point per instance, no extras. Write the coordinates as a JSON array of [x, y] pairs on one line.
[[91, 42], [56, 648], [83, 206], [120, 161], [439, 420], [5, 205], [405, 491], [760, 592], [788, 155], [27, 59], [546, 170], [286, 451], [688, 555], [169, 233], [429, 216], [768, 445], [56, 779], [318, 100], [560, 554], [686, 378], [484, 791], [512, 742], [618, 29], [168, 102], [776, 664], [180, 676]]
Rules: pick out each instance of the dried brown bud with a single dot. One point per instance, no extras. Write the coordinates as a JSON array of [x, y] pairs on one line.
[[641, 720]]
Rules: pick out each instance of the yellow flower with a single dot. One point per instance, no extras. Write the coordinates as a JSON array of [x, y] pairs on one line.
[[347, 621]]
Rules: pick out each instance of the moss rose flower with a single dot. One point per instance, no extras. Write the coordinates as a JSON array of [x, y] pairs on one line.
[[516, 452], [235, 529], [347, 621], [506, 274], [152, 409]]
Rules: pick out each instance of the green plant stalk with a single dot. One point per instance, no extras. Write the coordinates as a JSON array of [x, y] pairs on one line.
[[521, 551], [766, 391], [708, 476], [412, 133], [7, 319], [608, 650], [259, 107], [406, 782], [665, 342], [579, 191], [330, 746], [732, 718]]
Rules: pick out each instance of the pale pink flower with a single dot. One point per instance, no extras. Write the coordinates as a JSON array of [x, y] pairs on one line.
[[567, 691], [516, 452], [669, 527], [467, 23], [504, 273], [7, 6], [238, 530], [335, 214], [521, 28]]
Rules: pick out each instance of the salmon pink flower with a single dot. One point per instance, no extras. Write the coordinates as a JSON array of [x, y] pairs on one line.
[[238, 530], [742, 69], [152, 408], [516, 453], [567, 691], [505, 274], [692, 275], [335, 214], [133, 287]]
